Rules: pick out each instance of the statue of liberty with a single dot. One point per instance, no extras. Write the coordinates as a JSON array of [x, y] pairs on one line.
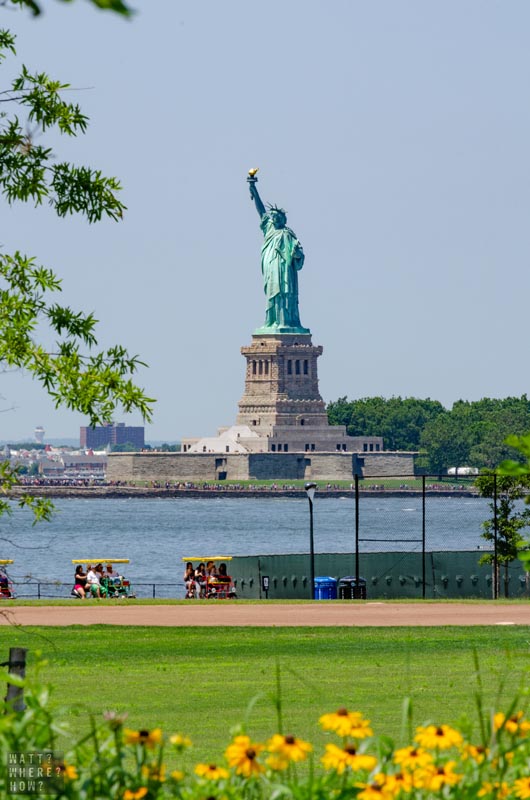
[[281, 259]]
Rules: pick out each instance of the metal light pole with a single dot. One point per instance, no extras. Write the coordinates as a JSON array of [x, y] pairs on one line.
[[310, 492]]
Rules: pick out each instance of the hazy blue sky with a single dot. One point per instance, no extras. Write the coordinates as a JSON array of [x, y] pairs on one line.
[[396, 134]]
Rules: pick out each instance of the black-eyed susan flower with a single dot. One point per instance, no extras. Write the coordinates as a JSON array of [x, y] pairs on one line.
[[243, 755], [211, 772], [69, 772], [497, 789], [514, 724], [288, 748], [347, 723], [180, 742], [434, 778], [475, 753], [373, 791], [135, 794], [338, 758], [521, 788], [412, 757], [147, 738], [395, 783], [438, 737]]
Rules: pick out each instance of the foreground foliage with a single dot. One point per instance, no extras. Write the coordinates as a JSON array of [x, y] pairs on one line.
[[36, 8], [53, 343], [508, 521], [113, 761]]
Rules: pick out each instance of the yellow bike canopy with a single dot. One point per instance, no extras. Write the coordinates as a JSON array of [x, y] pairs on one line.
[[100, 560], [207, 558]]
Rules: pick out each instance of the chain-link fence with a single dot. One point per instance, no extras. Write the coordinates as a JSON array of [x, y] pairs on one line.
[[427, 516], [416, 538]]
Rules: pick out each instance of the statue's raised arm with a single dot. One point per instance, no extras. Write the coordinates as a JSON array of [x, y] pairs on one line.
[[281, 259], [254, 194]]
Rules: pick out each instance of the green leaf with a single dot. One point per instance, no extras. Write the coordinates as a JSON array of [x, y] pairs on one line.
[[117, 6]]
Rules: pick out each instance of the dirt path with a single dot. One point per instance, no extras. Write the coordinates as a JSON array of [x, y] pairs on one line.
[[269, 615]]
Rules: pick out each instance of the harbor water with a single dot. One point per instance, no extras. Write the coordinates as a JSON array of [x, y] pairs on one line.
[[155, 534]]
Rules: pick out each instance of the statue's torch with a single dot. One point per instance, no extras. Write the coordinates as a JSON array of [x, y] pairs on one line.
[[252, 180]]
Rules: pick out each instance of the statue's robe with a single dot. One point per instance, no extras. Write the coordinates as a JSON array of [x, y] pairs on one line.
[[281, 258]]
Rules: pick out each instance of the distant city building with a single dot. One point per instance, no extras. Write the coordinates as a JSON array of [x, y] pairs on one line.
[[39, 434], [111, 434], [84, 465]]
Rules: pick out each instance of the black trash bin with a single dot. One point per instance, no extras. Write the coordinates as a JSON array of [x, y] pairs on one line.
[[351, 589]]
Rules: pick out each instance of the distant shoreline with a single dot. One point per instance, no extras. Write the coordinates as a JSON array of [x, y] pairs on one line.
[[149, 492]]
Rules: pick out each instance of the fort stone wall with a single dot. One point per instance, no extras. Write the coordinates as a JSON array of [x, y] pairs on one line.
[[387, 463], [196, 467]]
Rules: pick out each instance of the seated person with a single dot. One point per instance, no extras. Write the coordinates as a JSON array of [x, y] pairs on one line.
[[200, 578], [79, 582], [221, 585], [5, 591], [102, 579], [93, 581], [110, 572], [189, 580], [222, 575], [112, 578]]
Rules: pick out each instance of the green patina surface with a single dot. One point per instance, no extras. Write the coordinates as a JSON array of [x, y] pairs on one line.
[[282, 257]]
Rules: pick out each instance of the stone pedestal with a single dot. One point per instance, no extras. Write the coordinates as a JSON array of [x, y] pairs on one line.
[[281, 402], [281, 384]]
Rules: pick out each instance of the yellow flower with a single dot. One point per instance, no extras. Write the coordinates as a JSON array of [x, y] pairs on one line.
[[434, 778], [396, 783], [289, 748], [137, 795], [440, 737], [373, 791], [475, 752], [242, 754], [412, 757], [177, 775], [211, 772], [514, 724], [338, 758], [497, 789], [180, 741], [277, 762], [347, 723], [70, 772], [522, 788], [149, 739], [154, 772]]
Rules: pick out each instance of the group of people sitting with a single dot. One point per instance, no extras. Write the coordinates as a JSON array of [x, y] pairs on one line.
[[6, 586], [207, 580], [96, 581]]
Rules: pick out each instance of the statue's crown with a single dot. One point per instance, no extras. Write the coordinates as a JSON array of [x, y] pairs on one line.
[[277, 209]]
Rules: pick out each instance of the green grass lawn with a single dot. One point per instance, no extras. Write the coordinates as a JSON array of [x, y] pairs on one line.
[[203, 681]]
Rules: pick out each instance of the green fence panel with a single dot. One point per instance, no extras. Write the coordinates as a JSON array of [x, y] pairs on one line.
[[389, 575]]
